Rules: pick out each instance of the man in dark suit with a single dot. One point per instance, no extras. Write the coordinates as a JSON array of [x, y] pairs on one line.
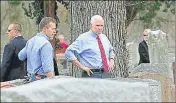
[[143, 48], [12, 68]]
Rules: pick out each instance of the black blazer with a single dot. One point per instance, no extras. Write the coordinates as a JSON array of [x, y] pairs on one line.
[[11, 67], [143, 52]]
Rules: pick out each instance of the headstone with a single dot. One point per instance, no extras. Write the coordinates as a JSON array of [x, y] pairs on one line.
[[133, 55], [174, 73], [62, 64], [161, 72], [164, 69], [160, 67], [158, 47], [154, 87], [167, 87], [84, 90]]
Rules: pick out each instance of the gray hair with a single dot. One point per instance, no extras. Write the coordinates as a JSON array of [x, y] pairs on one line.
[[96, 17]]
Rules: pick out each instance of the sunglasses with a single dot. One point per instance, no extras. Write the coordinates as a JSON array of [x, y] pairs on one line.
[[145, 35], [11, 30]]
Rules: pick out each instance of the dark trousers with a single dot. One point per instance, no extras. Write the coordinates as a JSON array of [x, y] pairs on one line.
[[56, 71], [99, 74]]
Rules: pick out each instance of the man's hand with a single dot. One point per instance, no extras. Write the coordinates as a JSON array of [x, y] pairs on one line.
[[77, 63], [7, 85], [88, 70], [111, 65], [50, 74]]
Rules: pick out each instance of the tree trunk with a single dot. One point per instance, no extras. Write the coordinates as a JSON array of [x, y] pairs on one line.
[[49, 8], [114, 14]]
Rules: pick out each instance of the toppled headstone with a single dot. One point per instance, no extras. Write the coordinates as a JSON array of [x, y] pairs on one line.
[[82, 90]]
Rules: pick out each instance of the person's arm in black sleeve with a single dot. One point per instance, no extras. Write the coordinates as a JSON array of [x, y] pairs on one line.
[[6, 61]]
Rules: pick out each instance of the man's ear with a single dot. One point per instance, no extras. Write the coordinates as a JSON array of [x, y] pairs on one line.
[[90, 24], [16, 32], [44, 29]]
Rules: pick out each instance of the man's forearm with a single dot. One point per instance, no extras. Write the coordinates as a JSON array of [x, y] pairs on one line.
[[78, 64]]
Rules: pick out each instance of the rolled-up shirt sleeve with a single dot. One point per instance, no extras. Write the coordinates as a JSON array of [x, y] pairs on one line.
[[47, 55], [74, 49], [111, 52], [22, 55]]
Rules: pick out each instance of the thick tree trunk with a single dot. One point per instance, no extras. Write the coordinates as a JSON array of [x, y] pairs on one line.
[[114, 14]]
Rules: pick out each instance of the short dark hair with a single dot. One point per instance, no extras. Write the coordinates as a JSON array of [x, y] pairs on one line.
[[45, 21]]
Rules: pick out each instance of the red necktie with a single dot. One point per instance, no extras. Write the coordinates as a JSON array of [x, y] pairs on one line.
[[103, 55]]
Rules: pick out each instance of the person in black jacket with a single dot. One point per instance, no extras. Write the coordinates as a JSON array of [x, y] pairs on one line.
[[143, 48], [12, 68]]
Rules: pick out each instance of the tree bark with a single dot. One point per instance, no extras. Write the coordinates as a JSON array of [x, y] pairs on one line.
[[114, 14], [49, 8]]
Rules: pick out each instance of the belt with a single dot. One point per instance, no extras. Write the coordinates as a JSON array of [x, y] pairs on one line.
[[97, 70]]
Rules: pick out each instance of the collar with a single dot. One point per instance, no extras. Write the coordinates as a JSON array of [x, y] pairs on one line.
[[93, 34], [43, 35], [18, 36], [146, 42]]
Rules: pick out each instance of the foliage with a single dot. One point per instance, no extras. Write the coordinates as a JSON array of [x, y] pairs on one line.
[[146, 9], [148, 12], [64, 2], [15, 2], [35, 10]]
